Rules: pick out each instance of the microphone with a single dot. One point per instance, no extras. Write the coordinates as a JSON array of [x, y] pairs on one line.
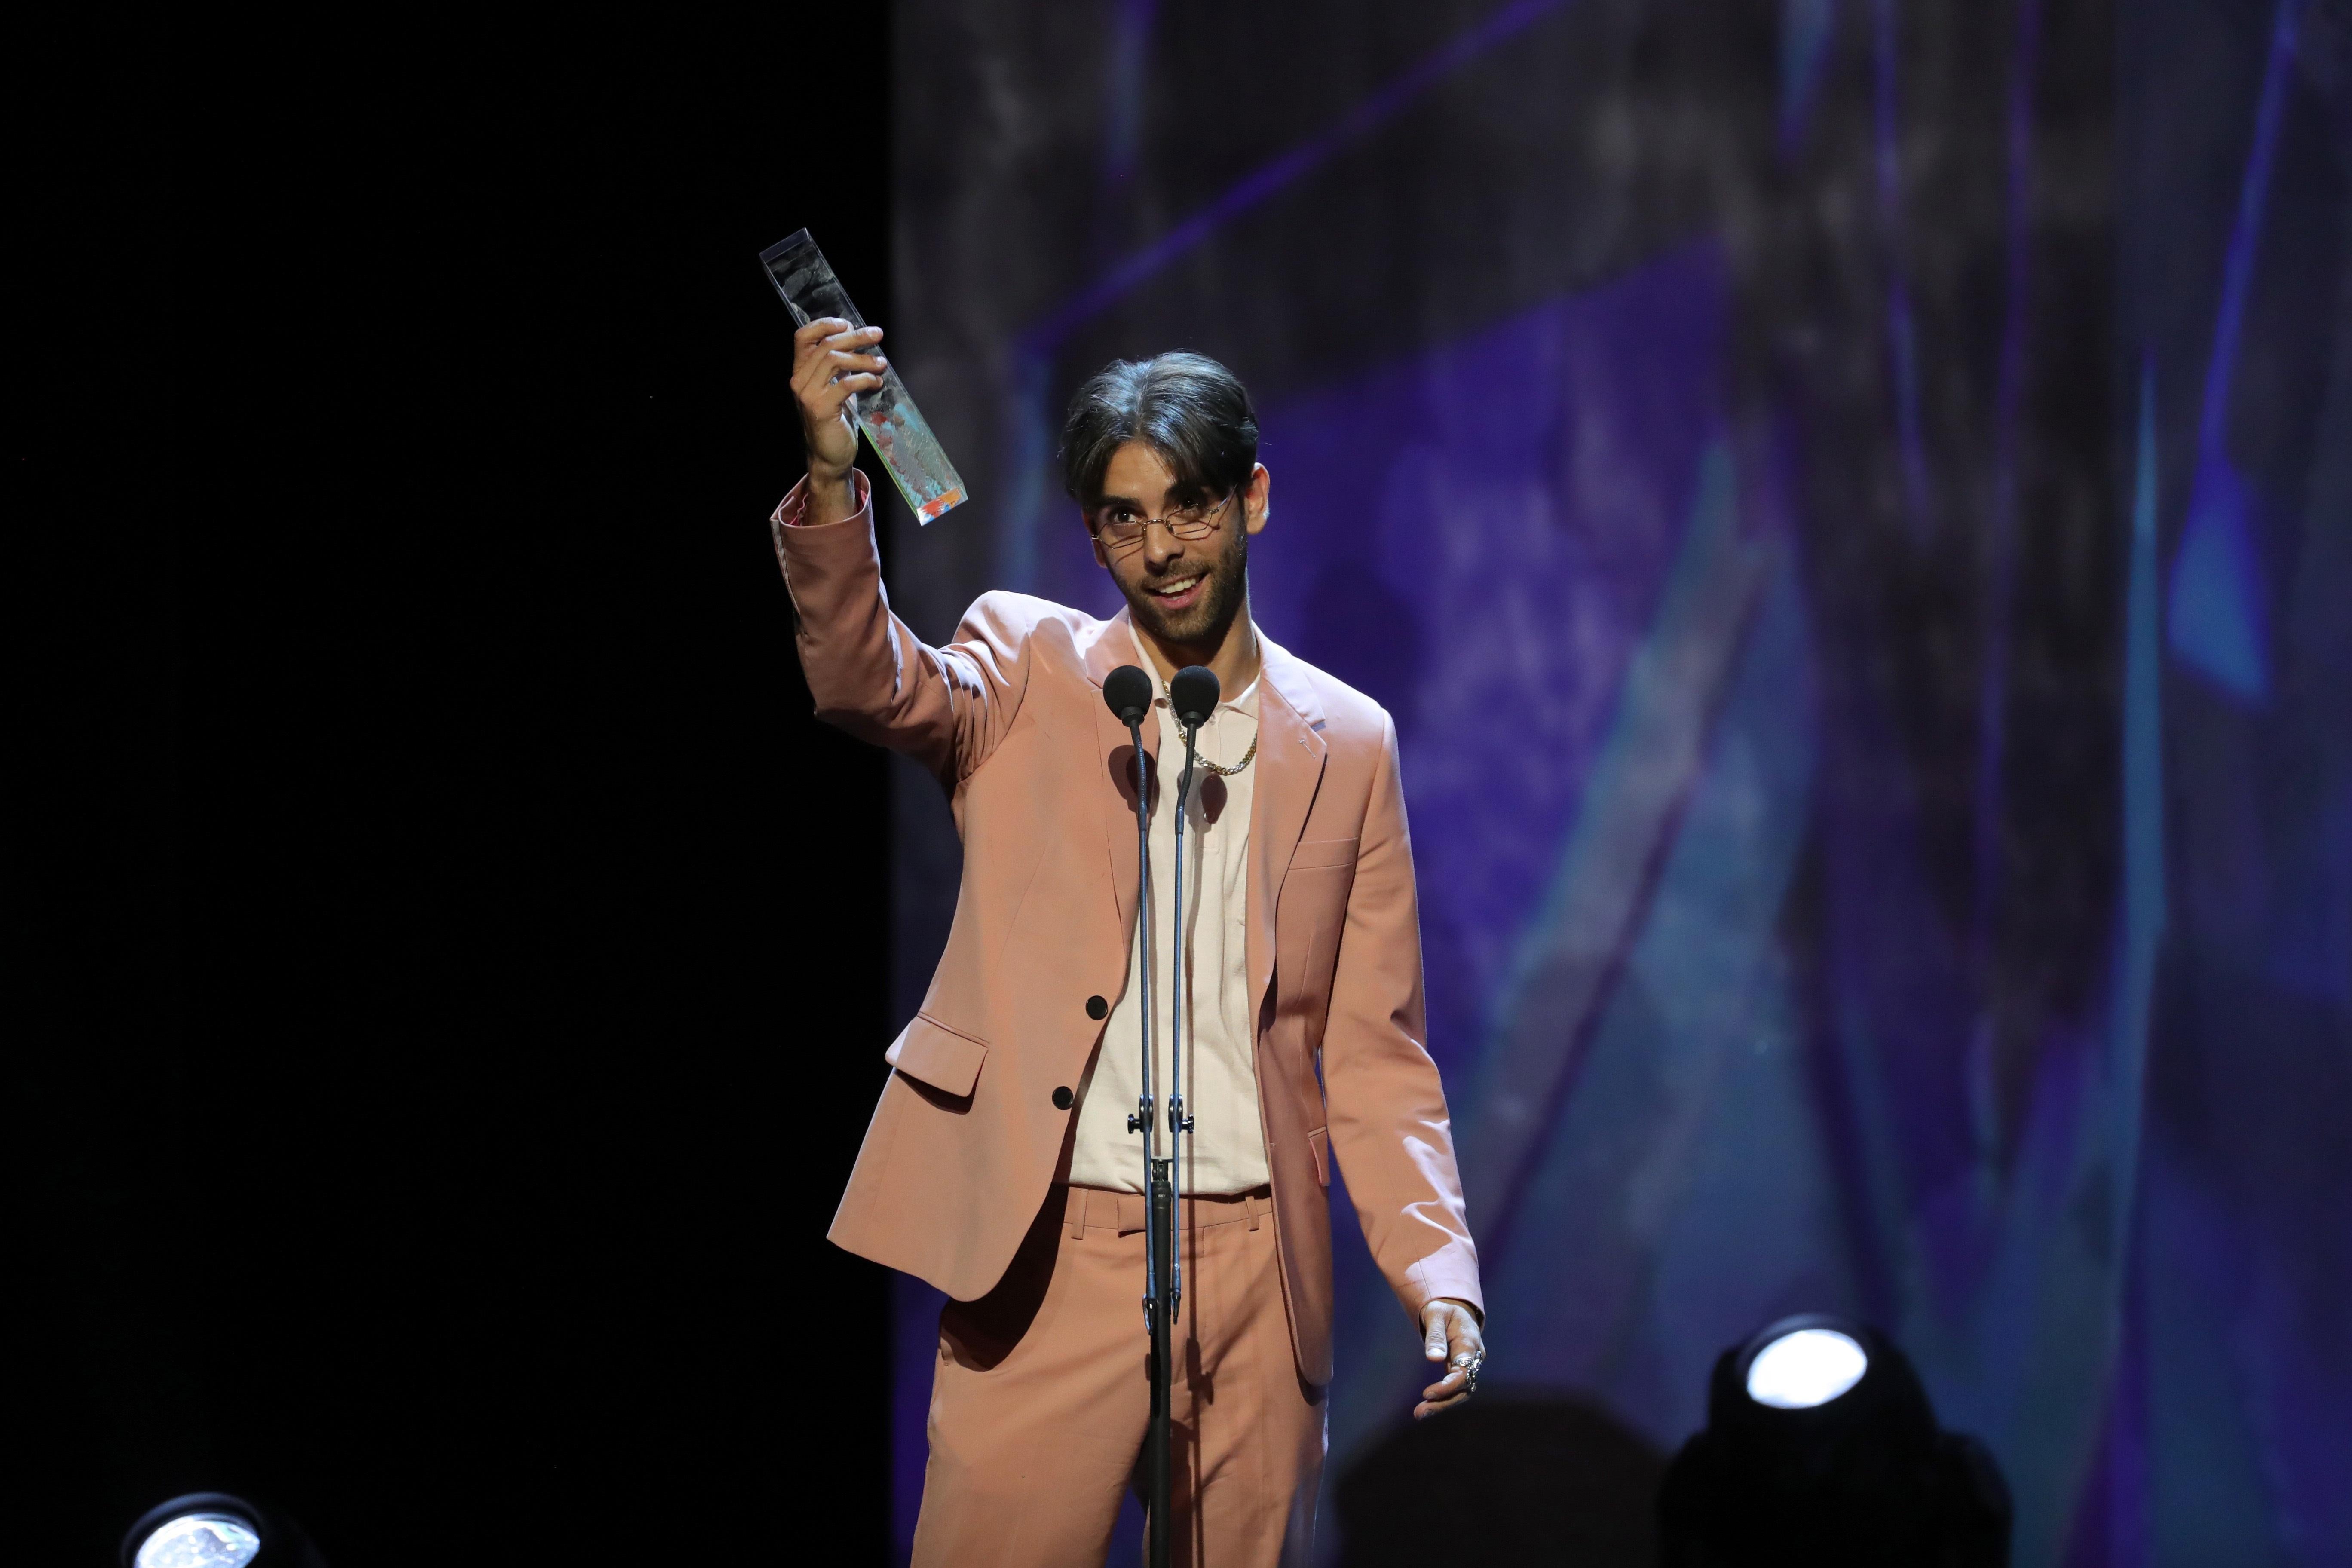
[[1127, 690], [1193, 694]]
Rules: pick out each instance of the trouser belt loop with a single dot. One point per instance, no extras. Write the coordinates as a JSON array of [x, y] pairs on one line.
[[1073, 1210]]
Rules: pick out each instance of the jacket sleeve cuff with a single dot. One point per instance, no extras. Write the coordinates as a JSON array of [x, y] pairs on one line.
[[792, 510], [1450, 1274], [819, 544]]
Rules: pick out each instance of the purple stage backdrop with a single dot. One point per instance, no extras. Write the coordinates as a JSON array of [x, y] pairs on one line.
[[1849, 503]]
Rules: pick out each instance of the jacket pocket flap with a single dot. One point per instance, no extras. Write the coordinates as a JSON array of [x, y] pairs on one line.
[[937, 1055], [1314, 853]]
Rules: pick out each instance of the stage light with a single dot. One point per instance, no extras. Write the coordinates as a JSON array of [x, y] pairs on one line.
[[200, 1541], [213, 1530], [1822, 1449], [1805, 1368]]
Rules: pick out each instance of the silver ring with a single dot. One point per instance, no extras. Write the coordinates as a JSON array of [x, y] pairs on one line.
[[1470, 1384]]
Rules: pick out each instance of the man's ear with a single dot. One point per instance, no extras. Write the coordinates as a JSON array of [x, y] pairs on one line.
[[1259, 499]]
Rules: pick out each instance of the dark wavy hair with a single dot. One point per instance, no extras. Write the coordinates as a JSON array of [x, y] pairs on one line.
[[1187, 407]]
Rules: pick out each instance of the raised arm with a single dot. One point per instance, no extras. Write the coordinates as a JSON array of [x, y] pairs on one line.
[[871, 675]]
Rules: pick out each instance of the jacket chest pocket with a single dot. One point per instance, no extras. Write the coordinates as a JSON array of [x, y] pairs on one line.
[[1324, 855]]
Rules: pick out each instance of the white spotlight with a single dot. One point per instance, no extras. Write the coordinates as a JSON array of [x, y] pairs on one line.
[[200, 1541], [1799, 1371]]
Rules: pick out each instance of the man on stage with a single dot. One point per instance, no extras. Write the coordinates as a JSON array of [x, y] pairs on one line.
[[999, 1165]]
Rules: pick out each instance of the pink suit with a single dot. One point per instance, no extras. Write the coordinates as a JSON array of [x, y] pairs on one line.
[[967, 1142]]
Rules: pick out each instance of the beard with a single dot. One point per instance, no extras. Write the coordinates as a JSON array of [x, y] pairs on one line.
[[1222, 595]]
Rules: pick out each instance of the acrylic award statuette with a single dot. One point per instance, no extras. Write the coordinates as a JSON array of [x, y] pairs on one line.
[[888, 416]]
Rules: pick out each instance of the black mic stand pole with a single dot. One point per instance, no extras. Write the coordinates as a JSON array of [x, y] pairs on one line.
[[1178, 1123], [1159, 1222], [1192, 696], [1166, 1187]]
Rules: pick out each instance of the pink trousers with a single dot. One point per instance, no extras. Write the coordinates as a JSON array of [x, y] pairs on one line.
[[1039, 1399]]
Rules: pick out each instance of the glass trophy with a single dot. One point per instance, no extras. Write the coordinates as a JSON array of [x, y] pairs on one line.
[[893, 427]]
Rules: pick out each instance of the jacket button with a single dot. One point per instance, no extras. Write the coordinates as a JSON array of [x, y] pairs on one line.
[[1062, 1098], [1096, 1007]]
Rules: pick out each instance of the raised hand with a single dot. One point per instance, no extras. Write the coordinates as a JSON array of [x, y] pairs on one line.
[[831, 362]]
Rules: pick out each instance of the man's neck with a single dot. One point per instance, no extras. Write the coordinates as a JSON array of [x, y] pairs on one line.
[[1234, 658]]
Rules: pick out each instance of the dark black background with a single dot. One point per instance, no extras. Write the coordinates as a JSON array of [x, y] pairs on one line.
[[451, 958]]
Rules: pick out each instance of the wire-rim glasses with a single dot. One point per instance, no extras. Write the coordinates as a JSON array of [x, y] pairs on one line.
[[1122, 530]]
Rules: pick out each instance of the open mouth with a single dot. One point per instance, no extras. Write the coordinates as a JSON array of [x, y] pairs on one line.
[[1180, 595]]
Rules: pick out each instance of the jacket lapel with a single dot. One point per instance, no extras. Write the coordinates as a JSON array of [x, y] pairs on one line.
[[1290, 755]]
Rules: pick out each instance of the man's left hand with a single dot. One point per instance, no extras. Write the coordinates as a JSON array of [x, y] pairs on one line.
[[1450, 1333]]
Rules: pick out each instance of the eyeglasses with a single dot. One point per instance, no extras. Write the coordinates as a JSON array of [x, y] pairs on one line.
[[1122, 530]]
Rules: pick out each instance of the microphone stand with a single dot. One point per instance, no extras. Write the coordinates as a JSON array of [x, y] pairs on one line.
[[1159, 1224], [1168, 1187], [1163, 1279], [1178, 1123]]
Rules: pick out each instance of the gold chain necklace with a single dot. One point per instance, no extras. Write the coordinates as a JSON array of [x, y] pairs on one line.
[[1226, 772], [1219, 768]]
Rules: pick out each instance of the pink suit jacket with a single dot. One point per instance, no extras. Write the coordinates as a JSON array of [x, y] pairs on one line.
[[967, 1139]]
